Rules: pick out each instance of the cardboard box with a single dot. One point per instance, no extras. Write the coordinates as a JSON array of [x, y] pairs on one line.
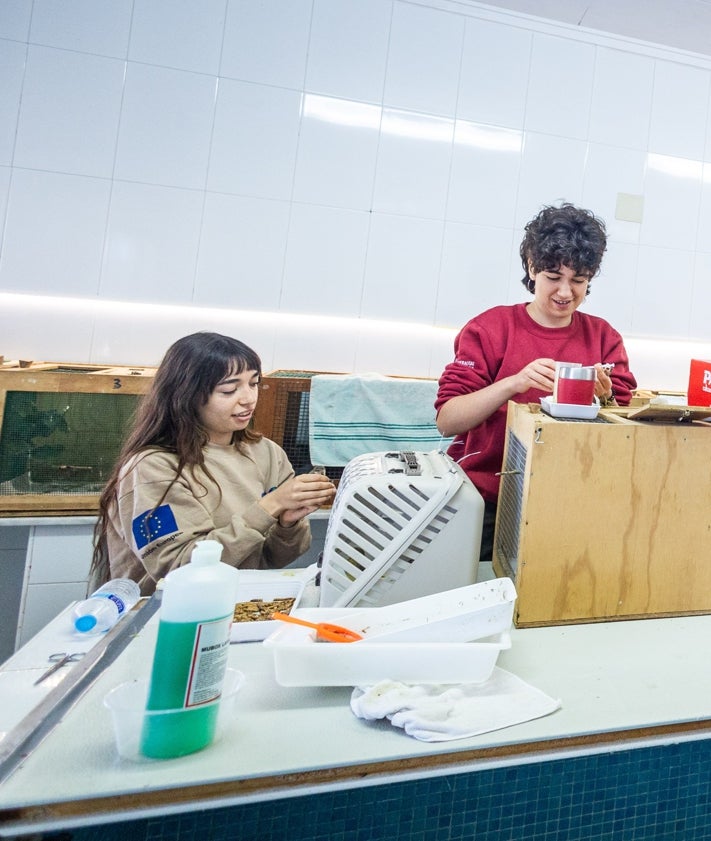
[[604, 520]]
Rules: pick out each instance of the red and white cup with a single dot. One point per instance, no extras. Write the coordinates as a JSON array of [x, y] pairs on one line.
[[576, 385]]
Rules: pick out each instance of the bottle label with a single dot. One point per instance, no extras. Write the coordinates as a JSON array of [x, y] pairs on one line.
[[209, 660], [120, 604]]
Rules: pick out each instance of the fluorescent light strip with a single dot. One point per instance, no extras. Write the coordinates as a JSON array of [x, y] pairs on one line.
[[678, 167], [641, 348], [410, 124], [168, 312]]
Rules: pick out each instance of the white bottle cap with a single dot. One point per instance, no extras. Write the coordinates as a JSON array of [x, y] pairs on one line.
[[206, 552]]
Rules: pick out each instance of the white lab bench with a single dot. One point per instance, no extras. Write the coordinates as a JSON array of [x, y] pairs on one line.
[[622, 685], [44, 564]]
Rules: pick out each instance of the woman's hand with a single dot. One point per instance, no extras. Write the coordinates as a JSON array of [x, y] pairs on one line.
[[603, 383], [297, 497], [538, 374]]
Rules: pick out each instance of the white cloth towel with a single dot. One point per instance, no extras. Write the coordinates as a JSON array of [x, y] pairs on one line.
[[352, 414], [441, 713]]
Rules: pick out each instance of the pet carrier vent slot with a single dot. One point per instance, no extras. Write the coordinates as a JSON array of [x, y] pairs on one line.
[[511, 502], [352, 547], [386, 581], [351, 528], [376, 511], [367, 520], [399, 492], [347, 566], [385, 500]]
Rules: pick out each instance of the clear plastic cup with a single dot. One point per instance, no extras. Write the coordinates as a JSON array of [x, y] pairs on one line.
[[127, 704]]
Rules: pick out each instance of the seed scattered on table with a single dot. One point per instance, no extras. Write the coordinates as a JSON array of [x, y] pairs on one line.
[[257, 610]]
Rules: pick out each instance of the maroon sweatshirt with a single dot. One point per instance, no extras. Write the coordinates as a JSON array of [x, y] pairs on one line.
[[499, 343]]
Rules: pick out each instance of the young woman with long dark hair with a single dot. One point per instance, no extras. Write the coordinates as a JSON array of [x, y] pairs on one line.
[[192, 469]]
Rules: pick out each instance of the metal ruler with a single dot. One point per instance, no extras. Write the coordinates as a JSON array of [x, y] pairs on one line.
[[42, 719]]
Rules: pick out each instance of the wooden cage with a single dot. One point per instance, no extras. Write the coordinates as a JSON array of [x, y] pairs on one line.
[[61, 428], [282, 414], [608, 519]]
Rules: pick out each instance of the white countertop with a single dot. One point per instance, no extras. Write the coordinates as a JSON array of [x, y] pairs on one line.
[[612, 678], [56, 520]]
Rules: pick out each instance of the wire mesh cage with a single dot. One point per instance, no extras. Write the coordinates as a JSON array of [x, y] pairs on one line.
[[61, 429], [282, 414], [61, 443], [510, 502]]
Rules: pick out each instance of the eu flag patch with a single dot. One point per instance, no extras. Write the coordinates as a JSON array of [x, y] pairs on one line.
[[152, 524]]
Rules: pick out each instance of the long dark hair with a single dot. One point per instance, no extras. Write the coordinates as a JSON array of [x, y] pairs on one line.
[[168, 418]]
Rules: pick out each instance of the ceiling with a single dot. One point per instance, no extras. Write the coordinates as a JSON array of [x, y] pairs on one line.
[[682, 24]]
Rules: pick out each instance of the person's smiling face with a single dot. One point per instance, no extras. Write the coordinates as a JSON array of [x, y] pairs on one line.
[[230, 406], [558, 293]]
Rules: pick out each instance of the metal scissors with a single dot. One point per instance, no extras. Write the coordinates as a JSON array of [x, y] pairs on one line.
[[57, 661]]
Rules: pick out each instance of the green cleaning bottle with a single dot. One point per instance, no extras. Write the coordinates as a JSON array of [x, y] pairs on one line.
[[190, 655]]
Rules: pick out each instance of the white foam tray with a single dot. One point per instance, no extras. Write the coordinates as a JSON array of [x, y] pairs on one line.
[[265, 590], [569, 410], [301, 660]]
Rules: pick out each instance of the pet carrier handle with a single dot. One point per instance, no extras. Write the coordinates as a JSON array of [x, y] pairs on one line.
[[412, 465]]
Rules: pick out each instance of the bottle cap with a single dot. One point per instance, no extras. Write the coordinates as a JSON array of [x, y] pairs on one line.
[[206, 552], [85, 623]]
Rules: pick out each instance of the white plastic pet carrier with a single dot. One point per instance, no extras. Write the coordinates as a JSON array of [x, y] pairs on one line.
[[403, 525]]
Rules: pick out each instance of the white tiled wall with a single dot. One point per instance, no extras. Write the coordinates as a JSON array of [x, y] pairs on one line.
[[13, 554], [258, 162], [56, 573]]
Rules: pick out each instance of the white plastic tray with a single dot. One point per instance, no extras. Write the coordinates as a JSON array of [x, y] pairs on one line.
[[460, 615], [299, 660], [569, 410], [266, 591]]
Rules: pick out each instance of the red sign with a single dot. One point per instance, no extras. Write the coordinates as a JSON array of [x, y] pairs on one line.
[[699, 383]]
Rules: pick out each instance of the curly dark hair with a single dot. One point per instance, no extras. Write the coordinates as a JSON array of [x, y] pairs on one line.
[[563, 236]]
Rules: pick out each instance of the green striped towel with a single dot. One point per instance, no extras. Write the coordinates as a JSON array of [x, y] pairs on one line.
[[353, 414]]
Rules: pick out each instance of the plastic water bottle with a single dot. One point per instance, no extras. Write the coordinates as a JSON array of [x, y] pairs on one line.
[[106, 606], [190, 656]]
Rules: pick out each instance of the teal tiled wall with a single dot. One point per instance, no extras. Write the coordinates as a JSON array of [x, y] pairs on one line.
[[631, 795]]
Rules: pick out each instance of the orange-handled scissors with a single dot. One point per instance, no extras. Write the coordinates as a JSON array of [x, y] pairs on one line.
[[324, 630]]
